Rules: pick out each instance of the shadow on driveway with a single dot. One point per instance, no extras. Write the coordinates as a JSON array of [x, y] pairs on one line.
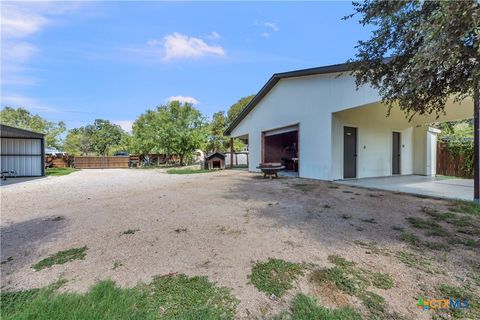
[[19, 240]]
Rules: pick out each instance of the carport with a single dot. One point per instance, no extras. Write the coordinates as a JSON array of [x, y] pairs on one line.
[[22, 152]]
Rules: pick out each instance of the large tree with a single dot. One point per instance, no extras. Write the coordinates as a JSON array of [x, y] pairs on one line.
[[237, 108], [101, 138], [216, 140], [22, 118], [174, 128], [435, 55]]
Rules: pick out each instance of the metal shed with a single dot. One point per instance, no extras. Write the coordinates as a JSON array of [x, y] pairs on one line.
[[22, 151]]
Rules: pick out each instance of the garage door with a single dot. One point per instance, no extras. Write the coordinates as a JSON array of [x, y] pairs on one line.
[[24, 156]]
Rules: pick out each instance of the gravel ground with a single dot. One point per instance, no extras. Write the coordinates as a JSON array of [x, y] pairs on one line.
[[213, 224]]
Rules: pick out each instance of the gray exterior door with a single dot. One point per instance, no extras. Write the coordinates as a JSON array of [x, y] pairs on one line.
[[396, 152], [349, 152]]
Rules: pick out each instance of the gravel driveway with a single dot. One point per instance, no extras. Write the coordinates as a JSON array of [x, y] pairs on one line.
[[213, 224]]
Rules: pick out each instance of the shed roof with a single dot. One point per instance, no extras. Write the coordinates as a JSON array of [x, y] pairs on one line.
[[211, 155], [12, 132]]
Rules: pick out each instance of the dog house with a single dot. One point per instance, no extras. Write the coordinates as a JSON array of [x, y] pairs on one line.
[[215, 160]]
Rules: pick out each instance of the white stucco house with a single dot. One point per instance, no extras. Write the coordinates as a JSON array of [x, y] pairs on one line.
[[318, 124]]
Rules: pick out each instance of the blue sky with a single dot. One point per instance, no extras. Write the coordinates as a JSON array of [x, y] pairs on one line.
[[77, 61]]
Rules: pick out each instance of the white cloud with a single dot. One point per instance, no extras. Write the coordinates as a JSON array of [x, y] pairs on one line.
[[215, 35], [19, 21], [271, 25], [179, 46], [125, 124], [183, 99], [265, 34]]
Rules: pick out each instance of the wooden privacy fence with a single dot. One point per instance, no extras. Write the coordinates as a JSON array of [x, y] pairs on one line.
[[101, 162], [449, 165]]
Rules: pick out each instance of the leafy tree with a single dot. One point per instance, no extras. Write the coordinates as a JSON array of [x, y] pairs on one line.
[[237, 108], [435, 55], [22, 118], [104, 135], [174, 128], [216, 140], [145, 134], [78, 142]]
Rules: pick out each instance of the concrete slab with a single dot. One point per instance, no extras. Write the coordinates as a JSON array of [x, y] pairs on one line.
[[438, 187]]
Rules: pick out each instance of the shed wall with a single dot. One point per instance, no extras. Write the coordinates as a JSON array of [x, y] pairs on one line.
[[24, 156]]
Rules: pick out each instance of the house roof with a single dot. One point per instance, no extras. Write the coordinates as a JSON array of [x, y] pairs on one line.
[[210, 155], [290, 74], [12, 132]]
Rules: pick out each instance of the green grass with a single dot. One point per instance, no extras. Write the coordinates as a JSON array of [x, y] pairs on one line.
[[353, 280], [130, 231], [188, 171], [275, 276], [434, 229], [61, 257], [382, 280], [462, 293], [416, 261], [176, 297], [306, 308], [467, 207], [410, 238], [59, 171]]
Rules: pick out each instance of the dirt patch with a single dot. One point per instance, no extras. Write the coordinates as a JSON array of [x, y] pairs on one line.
[[215, 225]]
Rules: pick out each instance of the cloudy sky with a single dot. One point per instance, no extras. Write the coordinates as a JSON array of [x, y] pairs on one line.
[[77, 61]]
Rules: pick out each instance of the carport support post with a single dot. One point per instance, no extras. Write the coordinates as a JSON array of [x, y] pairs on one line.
[[231, 152], [476, 146]]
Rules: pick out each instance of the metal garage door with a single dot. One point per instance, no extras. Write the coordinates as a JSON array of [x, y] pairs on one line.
[[24, 156]]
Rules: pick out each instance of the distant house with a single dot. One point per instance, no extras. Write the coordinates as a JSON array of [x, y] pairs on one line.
[[317, 123]]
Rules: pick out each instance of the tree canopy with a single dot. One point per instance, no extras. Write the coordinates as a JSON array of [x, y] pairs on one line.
[[174, 128], [237, 108], [434, 47], [102, 138], [22, 118]]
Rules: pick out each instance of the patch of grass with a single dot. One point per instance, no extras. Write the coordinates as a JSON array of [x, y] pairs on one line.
[[433, 228], [374, 303], [418, 262], [382, 280], [369, 220], [340, 261], [436, 245], [176, 297], [410, 238], [130, 231], [434, 213], [467, 207], [372, 247], [463, 293], [332, 186], [116, 264], [59, 171], [188, 171], [275, 276], [61, 257], [306, 308], [349, 278]]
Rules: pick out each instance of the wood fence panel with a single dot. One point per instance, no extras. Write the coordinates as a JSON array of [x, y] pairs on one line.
[[448, 165], [101, 162]]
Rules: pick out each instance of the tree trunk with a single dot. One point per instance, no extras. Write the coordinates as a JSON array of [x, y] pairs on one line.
[[476, 147], [181, 160]]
